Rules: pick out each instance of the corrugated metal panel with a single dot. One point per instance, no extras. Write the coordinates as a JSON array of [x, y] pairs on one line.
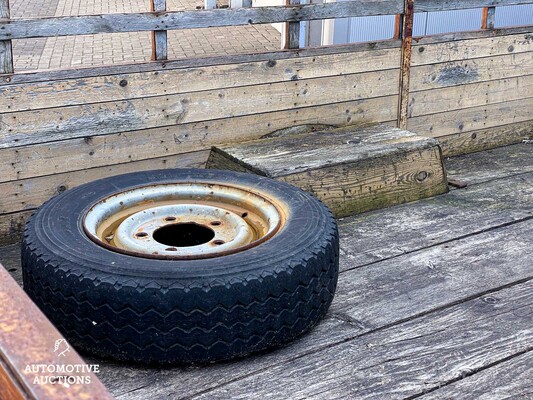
[[514, 16], [362, 29]]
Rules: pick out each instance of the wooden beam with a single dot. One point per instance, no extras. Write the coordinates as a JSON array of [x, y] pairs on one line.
[[294, 30], [405, 67], [6, 51], [159, 38], [135, 22], [28, 339]]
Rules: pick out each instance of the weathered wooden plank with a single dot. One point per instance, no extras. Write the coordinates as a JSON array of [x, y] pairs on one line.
[[431, 50], [471, 119], [470, 95], [404, 361], [107, 70], [294, 30], [374, 360], [12, 225], [159, 38], [27, 338], [445, 5], [135, 22], [93, 151], [485, 139], [352, 169], [503, 162], [508, 379], [457, 73], [28, 194], [6, 52], [376, 236], [54, 93], [27, 127]]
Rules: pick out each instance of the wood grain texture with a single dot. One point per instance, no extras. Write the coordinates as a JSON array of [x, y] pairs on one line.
[[92, 151], [390, 233], [508, 379], [352, 169], [499, 163], [472, 119], [470, 71], [12, 225], [405, 360], [470, 95], [485, 139], [28, 127], [6, 51], [458, 47], [159, 38], [135, 22], [106, 70], [55, 93], [28, 194]]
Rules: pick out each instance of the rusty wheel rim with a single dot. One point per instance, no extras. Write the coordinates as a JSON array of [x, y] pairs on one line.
[[183, 220]]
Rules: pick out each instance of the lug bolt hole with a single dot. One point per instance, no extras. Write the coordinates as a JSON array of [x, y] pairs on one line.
[[170, 219], [141, 234], [216, 223], [171, 249], [244, 215], [218, 242]]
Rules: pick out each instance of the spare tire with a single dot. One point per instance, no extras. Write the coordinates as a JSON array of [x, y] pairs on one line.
[[181, 266]]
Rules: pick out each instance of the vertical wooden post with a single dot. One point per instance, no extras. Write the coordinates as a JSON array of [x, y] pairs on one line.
[[159, 38], [6, 50], [406, 35], [292, 31], [487, 17]]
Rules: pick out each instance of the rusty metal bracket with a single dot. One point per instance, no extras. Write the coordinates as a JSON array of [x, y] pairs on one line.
[[406, 35]]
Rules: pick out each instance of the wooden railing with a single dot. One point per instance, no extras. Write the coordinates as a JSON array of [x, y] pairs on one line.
[[159, 20]]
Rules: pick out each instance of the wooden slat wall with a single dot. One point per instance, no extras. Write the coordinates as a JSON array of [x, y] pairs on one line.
[[473, 94], [60, 133]]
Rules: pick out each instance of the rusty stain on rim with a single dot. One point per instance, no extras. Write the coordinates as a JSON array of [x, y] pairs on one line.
[[183, 221]]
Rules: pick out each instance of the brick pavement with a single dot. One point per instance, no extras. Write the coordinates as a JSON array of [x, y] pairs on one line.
[[103, 49]]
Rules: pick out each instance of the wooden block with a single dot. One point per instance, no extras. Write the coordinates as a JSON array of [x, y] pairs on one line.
[[351, 169]]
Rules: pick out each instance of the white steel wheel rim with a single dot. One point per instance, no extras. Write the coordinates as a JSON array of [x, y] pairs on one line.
[[183, 220]]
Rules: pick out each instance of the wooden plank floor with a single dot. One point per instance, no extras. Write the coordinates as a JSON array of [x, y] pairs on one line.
[[435, 300]]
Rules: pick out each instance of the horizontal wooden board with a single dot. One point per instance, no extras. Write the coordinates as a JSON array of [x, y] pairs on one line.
[[55, 93], [470, 71], [12, 225], [150, 66], [403, 361], [431, 50], [397, 351], [508, 202], [92, 151], [470, 95], [485, 139], [472, 119], [28, 127], [444, 5], [507, 379], [31, 193], [135, 22]]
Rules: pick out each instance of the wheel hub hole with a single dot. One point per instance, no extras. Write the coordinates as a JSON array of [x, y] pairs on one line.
[[183, 235]]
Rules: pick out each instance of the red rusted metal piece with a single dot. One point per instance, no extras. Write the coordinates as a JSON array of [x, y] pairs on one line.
[[405, 67], [36, 362]]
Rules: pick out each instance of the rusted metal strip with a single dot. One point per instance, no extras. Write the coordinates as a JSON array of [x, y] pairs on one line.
[[406, 35], [487, 17], [6, 50], [36, 362], [159, 38]]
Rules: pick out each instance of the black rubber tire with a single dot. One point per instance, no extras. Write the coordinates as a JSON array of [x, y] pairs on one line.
[[189, 311]]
